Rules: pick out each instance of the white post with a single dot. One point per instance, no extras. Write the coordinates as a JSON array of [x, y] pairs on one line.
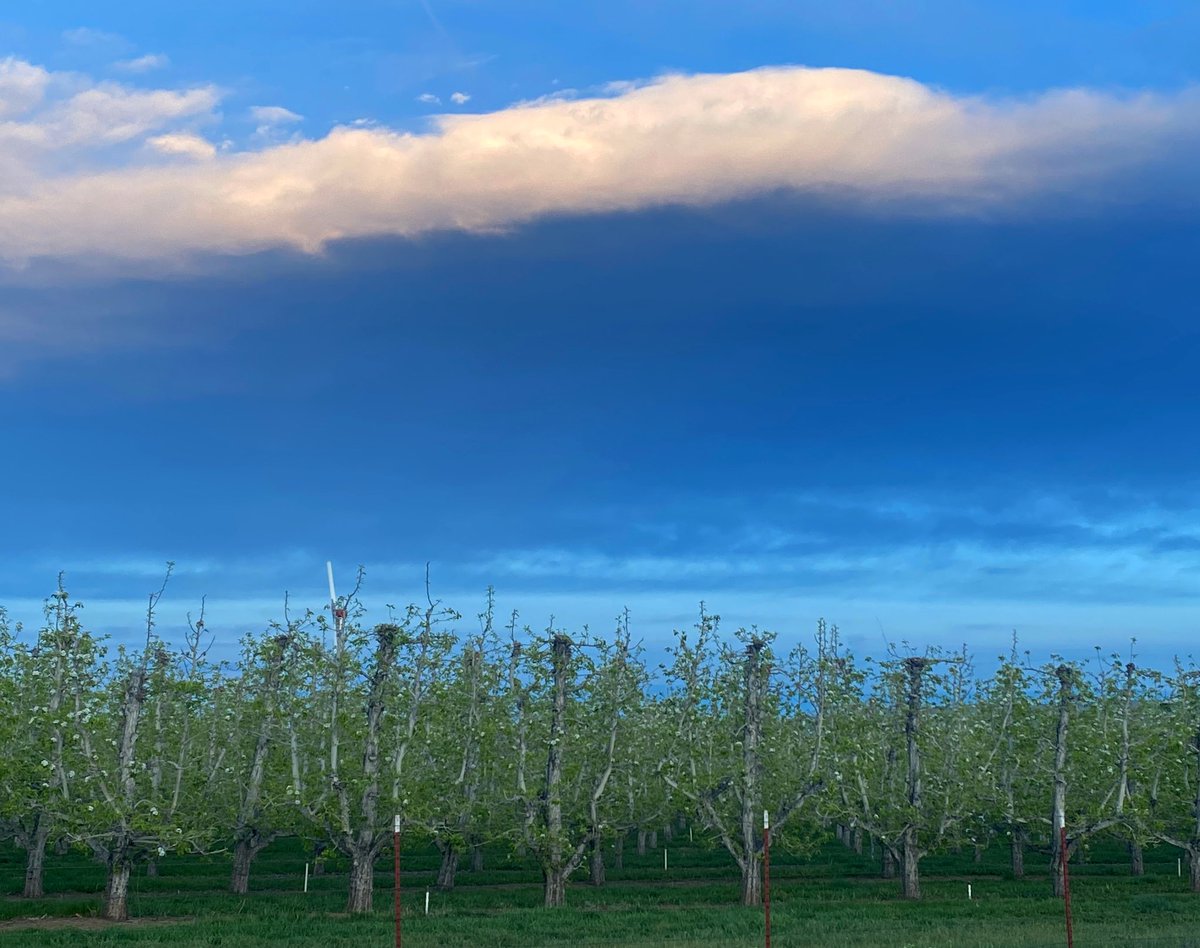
[[306, 877], [664, 859], [426, 901], [968, 892], [1179, 866], [690, 839]]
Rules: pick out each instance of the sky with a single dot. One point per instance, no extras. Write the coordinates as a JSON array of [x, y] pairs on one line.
[[874, 311]]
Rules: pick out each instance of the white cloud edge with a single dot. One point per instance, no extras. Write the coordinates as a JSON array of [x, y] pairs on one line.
[[677, 139], [141, 64], [274, 115]]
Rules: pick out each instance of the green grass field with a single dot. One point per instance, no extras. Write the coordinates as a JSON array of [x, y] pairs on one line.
[[833, 898]]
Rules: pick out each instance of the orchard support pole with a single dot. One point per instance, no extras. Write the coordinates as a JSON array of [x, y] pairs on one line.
[[767, 874], [1062, 850], [396, 864]]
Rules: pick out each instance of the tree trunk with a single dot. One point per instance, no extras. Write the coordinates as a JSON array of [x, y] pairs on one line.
[[554, 859], [857, 840], [596, 862], [152, 868], [751, 795], [752, 881], [889, 864], [35, 864], [978, 853], [1018, 852], [477, 857], [448, 867], [1058, 807], [1194, 868], [1057, 888], [243, 855], [116, 890], [641, 842], [362, 883], [668, 832], [319, 859], [654, 839], [910, 858], [1137, 864], [619, 851], [910, 865], [555, 888]]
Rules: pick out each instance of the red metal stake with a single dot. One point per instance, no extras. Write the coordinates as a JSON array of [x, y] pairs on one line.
[[396, 861], [1062, 848], [767, 874]]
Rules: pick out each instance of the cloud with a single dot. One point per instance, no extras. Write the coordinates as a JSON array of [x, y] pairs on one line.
[[679, 139], [460, 98], [428, 98], [140, 64], [22, 87], [273, 115], [86, 36], [183, 145]]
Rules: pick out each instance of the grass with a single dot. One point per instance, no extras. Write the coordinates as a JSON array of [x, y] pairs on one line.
[[832, 898]]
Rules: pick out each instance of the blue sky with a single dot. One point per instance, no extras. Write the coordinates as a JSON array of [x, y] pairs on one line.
[[880, 312]]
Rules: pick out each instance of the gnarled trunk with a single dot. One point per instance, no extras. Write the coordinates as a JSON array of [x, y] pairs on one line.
[[752, 881], [35, 862], [116, 890], [1137, 863], [910, 866], [596, 861], [1018, 852], [448, 868], [243, 856], [554, 888], [362, 883]]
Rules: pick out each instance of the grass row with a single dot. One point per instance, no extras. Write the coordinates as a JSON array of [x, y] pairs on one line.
[[832, 897]]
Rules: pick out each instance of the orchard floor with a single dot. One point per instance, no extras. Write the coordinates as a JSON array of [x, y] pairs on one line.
[[833, 898]]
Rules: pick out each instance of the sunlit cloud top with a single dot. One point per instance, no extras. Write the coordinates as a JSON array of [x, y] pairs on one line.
[[101, 169]]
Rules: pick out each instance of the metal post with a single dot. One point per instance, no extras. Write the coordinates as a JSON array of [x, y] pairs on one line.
[[767, 874], [1062, 847], [396, 861]]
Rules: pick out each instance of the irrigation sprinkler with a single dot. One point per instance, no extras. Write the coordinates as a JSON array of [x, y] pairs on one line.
[[767, 874], [1062, 851], [396, 863]]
